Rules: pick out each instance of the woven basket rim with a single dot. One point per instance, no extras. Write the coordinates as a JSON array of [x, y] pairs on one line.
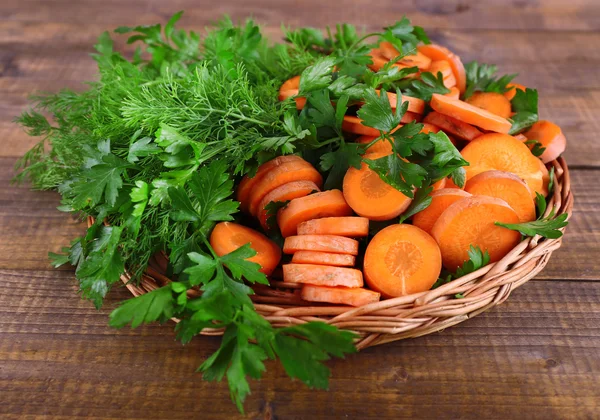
[[407, 316]]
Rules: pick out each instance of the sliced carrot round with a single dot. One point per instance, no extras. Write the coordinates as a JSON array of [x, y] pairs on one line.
[[471, 222], [437, 52], [290, 88], [226, 237], [379, 60], [513, 90], [493, 102], [324, 204], [401, 260], [322, 275], [443, 66], [453, 126], [439, 184], [410, 117], [451, 184], [503, 153], [340, 295], [382, 146], [323, 258], [390, 52], [454, 93], [341, 226], [323, 243], [507, 187], [415, 105], [352, 124], [285, 192], [550, 136], [469, 114], [280, 175], [371, 197], [440, 201], [429, 128]]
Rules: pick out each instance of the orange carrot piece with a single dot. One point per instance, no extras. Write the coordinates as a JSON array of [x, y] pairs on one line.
[[451, 184], [322, 275], [382, 146], [323, 258], [503, 153], [437, 52], [285, 192], [280, 175], [226, 237], [439, 184], [521, 137], [453, 126], [352, 124], [454, 93], [471, 222], [440, 201], [410, 117], [401, 260], [429, 128], [415, 105], [341, 226], [291, 88], [324, 204], [339, 295], [469, 114], [322, 243], [493, 102], [513, 90], [390, 52], [379, 60], [370, 197], [550, 136], [443, 66]]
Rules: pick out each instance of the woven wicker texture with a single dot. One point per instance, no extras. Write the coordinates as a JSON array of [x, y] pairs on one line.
[[408, 316]]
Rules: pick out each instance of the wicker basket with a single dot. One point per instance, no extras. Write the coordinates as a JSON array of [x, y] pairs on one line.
[[407, 316]]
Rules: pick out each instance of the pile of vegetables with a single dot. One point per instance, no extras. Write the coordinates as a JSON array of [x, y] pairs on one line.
[[320, 141]]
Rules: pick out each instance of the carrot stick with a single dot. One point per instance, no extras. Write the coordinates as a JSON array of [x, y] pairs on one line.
[[440, 201], [226, 237], [453, 126], [401, 260], [437, 52], [322, 275], [285, 192], [513, 90], [507, 187], [469, 114], [493, 102], [291, 88], [471, 222], [550, 136], [322, 243], [323, 258], [503, 153], [324, 204], [341, 226], [340, 295]]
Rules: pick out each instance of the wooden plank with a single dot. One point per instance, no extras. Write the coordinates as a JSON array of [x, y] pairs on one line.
[[534, 356]]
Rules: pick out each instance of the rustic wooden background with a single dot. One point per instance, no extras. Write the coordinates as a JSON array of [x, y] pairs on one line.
[[536, 356]]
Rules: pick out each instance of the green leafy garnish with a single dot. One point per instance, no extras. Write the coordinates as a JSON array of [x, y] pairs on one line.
[[425, 86], [477, 259], [482, 77], [420, 202], [536, 147], [525, 104]]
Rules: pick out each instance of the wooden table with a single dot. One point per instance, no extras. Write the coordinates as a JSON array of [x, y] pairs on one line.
[[536, 356]]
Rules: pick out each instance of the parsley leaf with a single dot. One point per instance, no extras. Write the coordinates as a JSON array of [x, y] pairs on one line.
[[337, 162], [377, 111], [536, 147], [402, 175], [477, 259], [425, 86], [548, 227], [420, 202], [272, 208], [157, 305], [482, 77], [318, 76], [525, 104], [408, 34], [459, 177]]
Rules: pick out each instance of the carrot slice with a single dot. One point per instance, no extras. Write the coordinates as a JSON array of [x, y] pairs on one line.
[[513, 90], [550, 136], [415, 105], [341, 226], [371, 197], [520, 137], [443, 66], [469, 114], [280, 175], [290, 88], [439, 184], [382, 146], [451, 184], [379, 60], [340, 295], [437, 52], [440, 201], [390, 52], [352, 124], [507, 187], [454, 93], [401, 260], [471, 222], [323, 258], [453, 126], [324, 204], [323, 243], [226, 237], [285, 192], [493, 102], [503, 153], [322, 275], [429, 128], [247, 184], [410, 117]]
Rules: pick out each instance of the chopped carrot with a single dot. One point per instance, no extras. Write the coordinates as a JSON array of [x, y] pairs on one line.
[[471, 222], [451, 184], [545, 179], [390, 52], [289, 191], [340, 295], [429, 128], [507, 187], [341, 226], [521, 137], [440, 201], [352, 124], [280, 175], [454, 93], [379, 60], [322, 275], [493, 102], [415, 105], [439, 184], [401, 260], [322, 243], [247, 183], [443, 66], [453, 126], [503, 153], [289, 89], [371, 197], [382, 146], [469, 114], [323, 204], [323, 258], [550, 136], [437, 52], [226, 237], [513, 90], [410, 117]]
